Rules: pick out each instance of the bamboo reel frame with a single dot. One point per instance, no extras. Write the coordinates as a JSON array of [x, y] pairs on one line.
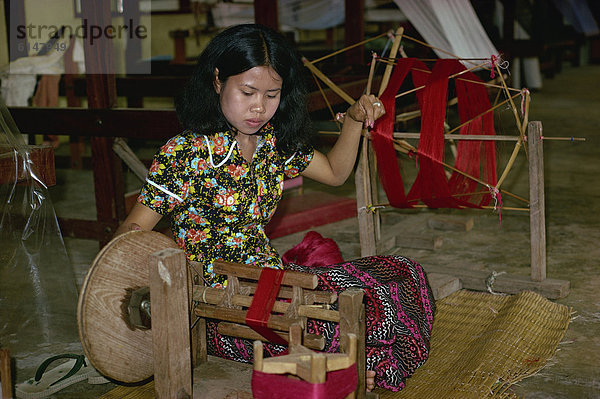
[[530, 134]]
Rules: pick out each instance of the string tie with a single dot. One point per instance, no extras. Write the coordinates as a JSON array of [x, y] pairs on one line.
[[490, 280], [495, 193], [497, 61], [524, 96], [370, 208], [374, 57], [493, 63]]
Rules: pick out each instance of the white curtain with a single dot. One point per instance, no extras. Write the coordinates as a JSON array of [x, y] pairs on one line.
[[293, 14], [311, 14], [449, 25], [578, 14]]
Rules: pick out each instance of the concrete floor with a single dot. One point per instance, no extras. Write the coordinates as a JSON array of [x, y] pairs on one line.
[[568, 105]]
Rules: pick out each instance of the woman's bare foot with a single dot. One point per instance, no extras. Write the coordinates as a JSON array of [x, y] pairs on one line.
[[370, 380]]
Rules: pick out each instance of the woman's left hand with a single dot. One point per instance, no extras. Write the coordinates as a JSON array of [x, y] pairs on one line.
[[366, 110]]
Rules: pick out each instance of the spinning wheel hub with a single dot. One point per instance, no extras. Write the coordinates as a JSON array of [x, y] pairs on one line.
[[114, 326]]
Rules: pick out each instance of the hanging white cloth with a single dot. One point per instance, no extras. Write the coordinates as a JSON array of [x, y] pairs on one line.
[[293, 14], [524, 72], [579, 15], [450, 25], [311, 14], [19, 76]]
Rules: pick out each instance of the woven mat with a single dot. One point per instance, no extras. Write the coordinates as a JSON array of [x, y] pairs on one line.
[[482, 344]]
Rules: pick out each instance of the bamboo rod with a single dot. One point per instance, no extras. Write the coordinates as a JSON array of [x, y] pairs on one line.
[[415, 114], [388, 69], [441, 50], [563, 138], [275, 322], [214, 296], [449, 77], [406, 135], [468, 176], [410, 148], [371, 73], [347, 48], [514, 108], [253, 272], [328, 81], [480, 115], [526, 110], [526, 121], [320, 297], [311, 341], [329, 107], [504, 208], [483, 137], [510, 163]]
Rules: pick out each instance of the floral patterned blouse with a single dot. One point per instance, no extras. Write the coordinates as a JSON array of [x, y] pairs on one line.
[[218, 202]]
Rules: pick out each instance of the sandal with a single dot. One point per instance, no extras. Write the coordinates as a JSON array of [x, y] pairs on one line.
[[46, 382]]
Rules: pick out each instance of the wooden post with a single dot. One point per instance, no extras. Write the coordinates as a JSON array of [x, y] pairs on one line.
[[366, 219], [133, 49], [536, 201], [354, 30], [170, 324], [198, 346], [369, 223], [352, 321], [102, 93], [266, 13], [179, 37], [14, 15], [5, 374]]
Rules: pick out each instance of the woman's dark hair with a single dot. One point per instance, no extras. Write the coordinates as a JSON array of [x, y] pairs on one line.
[[234, 51]]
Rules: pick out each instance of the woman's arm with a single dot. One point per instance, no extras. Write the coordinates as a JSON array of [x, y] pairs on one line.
[[335, 167], [140, 218]]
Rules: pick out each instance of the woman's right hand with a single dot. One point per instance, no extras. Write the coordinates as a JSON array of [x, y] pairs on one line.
[[366, 110]]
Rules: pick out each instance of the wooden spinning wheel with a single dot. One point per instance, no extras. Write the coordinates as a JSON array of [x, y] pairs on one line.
[[114, 345]]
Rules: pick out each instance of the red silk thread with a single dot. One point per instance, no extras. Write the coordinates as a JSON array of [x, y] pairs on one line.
[[338, 385], [382, 134], [262, 303], [431, 186]]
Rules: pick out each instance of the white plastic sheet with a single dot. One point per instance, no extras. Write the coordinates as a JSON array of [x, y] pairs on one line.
[[38, 293]]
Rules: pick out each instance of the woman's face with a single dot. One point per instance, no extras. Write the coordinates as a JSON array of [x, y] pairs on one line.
[[249, 100]]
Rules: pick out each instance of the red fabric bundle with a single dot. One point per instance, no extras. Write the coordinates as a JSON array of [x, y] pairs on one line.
[[314, 251]]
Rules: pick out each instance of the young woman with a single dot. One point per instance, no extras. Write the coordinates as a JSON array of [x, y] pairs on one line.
[[246, 126]]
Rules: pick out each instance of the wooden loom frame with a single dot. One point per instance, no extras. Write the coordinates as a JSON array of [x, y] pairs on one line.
[[171, 328], [529, 133]]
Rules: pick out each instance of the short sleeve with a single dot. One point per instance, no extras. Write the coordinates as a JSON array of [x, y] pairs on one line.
[[167, 184], [297, 162]]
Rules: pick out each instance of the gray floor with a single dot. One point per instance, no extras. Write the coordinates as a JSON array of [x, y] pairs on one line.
[[568, 105]]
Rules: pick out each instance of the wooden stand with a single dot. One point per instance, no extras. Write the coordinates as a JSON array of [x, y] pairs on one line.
[[170, 325], [549, 288], [230, 305], [5, 374], [308, 365]]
